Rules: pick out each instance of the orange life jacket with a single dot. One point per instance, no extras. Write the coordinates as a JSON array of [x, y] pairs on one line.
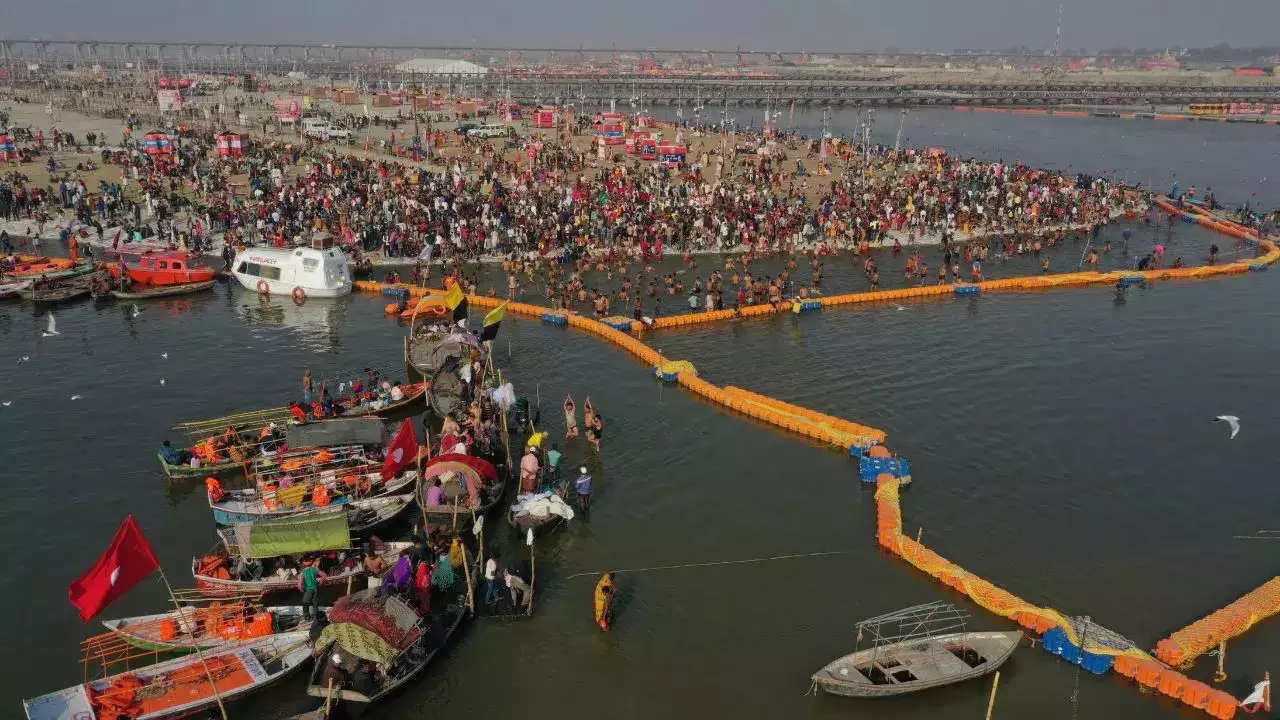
[[320, 495], [168, 630], [215, 489]]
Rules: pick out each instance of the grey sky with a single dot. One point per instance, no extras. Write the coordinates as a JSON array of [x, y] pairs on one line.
[[764, 24]]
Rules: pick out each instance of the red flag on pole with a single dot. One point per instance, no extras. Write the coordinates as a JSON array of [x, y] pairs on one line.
[[402, 452], [126, 562]]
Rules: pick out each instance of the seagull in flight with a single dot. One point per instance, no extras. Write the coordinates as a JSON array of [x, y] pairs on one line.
[[75, 397], [164, 356], [24, 358], [162, 381], [52, 329], [1231, 420], [6, 403]]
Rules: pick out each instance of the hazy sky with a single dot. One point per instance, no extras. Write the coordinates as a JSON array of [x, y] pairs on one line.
[[720, 24]]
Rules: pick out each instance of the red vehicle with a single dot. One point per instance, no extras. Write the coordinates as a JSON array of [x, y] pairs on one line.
[[166, 268]]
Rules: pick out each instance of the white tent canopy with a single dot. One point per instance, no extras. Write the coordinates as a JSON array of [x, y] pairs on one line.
[[435, 66]]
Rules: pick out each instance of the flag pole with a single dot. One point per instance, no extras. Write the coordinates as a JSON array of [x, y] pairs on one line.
[[190, 631]]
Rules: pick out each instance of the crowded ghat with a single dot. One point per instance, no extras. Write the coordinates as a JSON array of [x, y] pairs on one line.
[[368, 495]]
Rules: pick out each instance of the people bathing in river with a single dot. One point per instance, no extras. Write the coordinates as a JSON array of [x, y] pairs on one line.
[[571, 414]]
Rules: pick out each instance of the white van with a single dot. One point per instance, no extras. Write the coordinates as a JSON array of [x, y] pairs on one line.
[[321, 128], [489, 131]]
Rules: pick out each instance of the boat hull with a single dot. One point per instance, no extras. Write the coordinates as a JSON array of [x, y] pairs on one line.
[[288, 615], [841, 677], [186, 471], [280, 287], [163, 291], [242, 671]]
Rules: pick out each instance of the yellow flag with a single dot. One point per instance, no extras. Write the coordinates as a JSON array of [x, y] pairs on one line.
[[454, 297], [495, 315]]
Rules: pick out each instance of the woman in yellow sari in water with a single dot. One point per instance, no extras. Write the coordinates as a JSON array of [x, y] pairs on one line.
[[604, 597]]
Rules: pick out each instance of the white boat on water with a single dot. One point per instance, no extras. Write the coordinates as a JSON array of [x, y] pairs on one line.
[[320, 270]]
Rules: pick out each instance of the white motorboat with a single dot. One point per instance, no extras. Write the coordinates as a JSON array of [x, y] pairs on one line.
[[320, 270]]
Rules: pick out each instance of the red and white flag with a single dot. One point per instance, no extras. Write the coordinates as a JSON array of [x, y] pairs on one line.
[[401, 453], [126, 562]]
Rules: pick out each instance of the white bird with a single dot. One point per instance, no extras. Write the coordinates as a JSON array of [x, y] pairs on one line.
[[162, 381], [24, 358], [136, 312], [899, 306], [1231, 420], [164, 355], [6, 403], [75, 397], [52, 329]]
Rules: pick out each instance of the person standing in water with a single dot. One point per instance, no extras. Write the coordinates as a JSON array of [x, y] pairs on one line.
[[570, 418], [604, 596]]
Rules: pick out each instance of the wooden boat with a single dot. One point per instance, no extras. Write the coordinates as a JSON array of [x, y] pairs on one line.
[[60, 292], [162, 291], [53, 269], [527, 512], [927, 647], [363, 516], [145, 632], [277, 544], [414, 395], [449, 608], [472, 486], [186, 471], [252, 504], [248, 425], [11, 288], [180, 687]]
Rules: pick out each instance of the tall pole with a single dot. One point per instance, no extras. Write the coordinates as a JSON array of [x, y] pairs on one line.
[[897, 143], [190, 631], [822, 138]]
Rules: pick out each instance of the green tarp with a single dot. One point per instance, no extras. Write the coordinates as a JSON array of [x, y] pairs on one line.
[[297, 534]]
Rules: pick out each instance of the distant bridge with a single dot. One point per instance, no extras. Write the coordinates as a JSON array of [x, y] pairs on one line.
[[88, 49]]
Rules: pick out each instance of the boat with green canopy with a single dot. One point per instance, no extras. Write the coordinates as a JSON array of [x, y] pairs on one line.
[[266, 557]]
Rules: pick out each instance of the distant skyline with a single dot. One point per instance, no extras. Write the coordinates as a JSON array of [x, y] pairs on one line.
[[717, 24]]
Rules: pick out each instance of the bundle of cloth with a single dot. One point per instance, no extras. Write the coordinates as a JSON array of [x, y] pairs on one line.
[[541, 506]]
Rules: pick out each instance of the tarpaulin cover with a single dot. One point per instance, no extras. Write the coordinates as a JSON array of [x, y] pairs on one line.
[[346, 431], [359, 642], [388, 617], [298, 534]]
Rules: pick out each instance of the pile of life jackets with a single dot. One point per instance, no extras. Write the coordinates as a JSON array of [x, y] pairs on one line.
[[214, 488], [117, 701], [234, 626], [214, 566]]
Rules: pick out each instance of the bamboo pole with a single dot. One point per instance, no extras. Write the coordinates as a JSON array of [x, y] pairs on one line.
[[533, 573], [190, 631], [991, 704]]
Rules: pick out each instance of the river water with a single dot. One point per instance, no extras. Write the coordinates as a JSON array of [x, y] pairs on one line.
[[1061, 445]]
